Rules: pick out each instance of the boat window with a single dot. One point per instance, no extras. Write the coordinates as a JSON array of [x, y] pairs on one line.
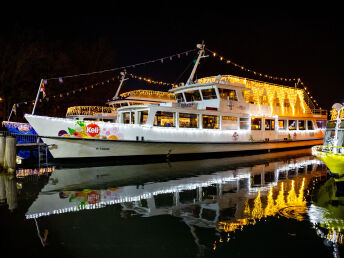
[[331, 124], [179, 97], [244, 123], [321, 124], [269, 124], [132, 120], [228, 94], [143, 116], [292, 124], [191, 96], [256, 123], [310, 125], [209, 94], [126, 117], [302, 125], [282, 124], [188, 120], [329, 137], [164, 119], [229, 123], [210, 122]]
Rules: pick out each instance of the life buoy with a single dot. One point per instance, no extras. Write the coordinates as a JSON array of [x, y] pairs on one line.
[[235, 136], [294, 134]]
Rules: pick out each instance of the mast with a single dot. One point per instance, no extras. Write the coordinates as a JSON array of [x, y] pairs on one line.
[[39, 89], [120, 84], [200, 55], [9, 117]]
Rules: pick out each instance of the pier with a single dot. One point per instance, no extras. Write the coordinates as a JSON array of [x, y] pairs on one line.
[[13, 144]]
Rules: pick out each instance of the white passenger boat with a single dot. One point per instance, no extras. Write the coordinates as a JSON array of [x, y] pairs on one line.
[[212, 114]]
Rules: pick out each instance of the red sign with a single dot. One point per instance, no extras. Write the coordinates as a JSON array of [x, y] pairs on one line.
[[92, 130]]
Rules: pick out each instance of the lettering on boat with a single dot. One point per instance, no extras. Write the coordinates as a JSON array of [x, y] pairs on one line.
[[92, 130], [101, 148]]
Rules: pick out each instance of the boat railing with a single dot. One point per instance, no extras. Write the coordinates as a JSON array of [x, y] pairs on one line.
[[89, 110], [319, 111], [149, 94], [22, 138], [338, 150]]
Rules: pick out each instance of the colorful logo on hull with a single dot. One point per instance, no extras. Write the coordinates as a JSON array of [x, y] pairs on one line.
[[92, 130]]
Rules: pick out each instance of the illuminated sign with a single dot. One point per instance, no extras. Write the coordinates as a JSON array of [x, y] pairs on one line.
[[34, 171]]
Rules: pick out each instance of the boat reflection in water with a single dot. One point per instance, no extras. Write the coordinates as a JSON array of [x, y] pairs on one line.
[[220, 194], [327, 211]]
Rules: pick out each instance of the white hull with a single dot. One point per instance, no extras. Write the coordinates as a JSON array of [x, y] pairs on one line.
[[82, 148], [135, 140]]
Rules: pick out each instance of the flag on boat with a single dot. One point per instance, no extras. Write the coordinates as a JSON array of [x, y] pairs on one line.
[[43, 88]]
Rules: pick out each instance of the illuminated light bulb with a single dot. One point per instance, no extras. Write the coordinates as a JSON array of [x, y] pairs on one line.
[[280, 202], [257, 212]]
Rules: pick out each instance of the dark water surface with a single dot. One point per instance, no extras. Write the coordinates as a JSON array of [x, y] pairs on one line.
[[270, 205]]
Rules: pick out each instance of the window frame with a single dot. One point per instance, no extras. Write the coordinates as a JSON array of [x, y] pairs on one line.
[[236, 123], [217, 121]]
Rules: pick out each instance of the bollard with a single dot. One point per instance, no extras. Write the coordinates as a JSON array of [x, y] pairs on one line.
[[2, 150], [10, 154]]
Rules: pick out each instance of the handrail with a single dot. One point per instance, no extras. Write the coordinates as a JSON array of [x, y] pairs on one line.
[[22, 138], [89, 110], [339, 150]]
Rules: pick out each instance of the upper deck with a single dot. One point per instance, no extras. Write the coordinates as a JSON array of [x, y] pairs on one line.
[[241, 95], [141, 97]]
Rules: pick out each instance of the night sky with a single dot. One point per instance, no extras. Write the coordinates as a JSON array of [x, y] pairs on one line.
[[287, 43]]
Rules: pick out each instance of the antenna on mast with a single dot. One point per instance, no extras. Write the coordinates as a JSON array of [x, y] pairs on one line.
[[121, 83], [201, 48]]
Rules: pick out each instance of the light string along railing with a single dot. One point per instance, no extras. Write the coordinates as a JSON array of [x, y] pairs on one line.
[[296, 80]]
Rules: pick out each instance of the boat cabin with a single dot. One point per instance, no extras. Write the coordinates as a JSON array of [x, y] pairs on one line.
[[229, 103], [109, 113], [330, 134]]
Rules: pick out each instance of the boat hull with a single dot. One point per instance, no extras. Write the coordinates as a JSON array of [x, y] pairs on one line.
[[333, 160], [70, 139], [62, 148]]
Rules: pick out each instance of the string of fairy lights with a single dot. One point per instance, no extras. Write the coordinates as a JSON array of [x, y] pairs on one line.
[[85, 88], [151, 81], [162, 60], [157, 60], [297, 81]]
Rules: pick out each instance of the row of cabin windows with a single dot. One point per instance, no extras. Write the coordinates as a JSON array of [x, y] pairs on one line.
[[187, 120], [256, 124], [205, 94]]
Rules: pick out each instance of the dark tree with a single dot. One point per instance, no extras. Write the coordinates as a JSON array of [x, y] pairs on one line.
[[27, 57]]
